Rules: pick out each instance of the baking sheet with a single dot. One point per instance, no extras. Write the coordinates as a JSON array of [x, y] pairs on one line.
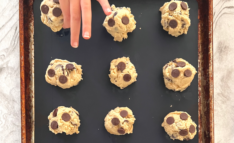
[[149, 48]]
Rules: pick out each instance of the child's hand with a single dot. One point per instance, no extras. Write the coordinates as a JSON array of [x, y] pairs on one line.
[[73, 10]]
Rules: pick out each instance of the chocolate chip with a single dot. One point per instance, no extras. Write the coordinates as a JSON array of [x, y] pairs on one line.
[[184, 6], [180, 64], [170, 120], [44, 9], [183, 132], [70, 67], [51, 72], [187, 73], [124, 113], [115, 13], [56, 1], [115, 121], [174, 61], [192, 129], [183, 116], [54, 125], [121, 66], [63, 79], [111, 22], [127, 77], [125, 20], [173, 23], [166, 66], [55, 112], [121, 131], [175, 73], [66, 117], [172, 6], [57, 12]]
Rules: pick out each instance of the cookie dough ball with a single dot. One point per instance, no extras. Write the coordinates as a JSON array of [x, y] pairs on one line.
[[119, 23], [120, 121], [51, 14], [63, 73], [175, 18], [180, 126], [122, 72], [178, 74], [64, 119]]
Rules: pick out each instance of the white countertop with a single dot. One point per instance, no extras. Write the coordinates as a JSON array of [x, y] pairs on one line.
[[10, 113]]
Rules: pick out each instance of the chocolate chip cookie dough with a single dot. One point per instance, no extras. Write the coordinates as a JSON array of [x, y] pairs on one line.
[[64, 119], [51, 14], [122, 72], [120, 121], [180, 126], [63, 73], [119, 23], [175, 17], [178, 74]]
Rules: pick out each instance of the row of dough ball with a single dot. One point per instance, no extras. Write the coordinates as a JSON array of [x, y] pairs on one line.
[[178, 74], [67, 74], [120, 121], [175, 18]]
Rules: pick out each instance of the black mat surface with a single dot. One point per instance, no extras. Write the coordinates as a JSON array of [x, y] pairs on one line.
[[149, 50]]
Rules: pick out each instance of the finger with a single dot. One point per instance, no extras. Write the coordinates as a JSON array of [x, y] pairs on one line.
[[105, 6], [75, 22], [65, 6], [86, 18]]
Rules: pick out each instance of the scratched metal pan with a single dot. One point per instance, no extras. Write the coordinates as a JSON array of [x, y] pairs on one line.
[[149, 48]]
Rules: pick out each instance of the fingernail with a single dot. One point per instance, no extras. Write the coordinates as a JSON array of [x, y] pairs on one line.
[[75, 45], [108, 10], [86, 35]]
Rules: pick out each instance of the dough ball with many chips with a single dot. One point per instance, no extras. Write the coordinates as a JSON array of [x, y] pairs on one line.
[[120, 23], [180, 126], [178, 74], [63, 73], [64, 119], [120, 121], [175, 17], [122, 72], [51, 14]]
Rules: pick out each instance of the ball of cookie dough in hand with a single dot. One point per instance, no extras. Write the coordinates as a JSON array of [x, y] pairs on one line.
[[178, 74], [180, 126], [120, 121], [175, 18], [120, 23], [64, 119], [51, 14], [122, 72], [63, 73]]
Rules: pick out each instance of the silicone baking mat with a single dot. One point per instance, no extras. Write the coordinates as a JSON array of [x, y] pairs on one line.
[[149, 48]]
